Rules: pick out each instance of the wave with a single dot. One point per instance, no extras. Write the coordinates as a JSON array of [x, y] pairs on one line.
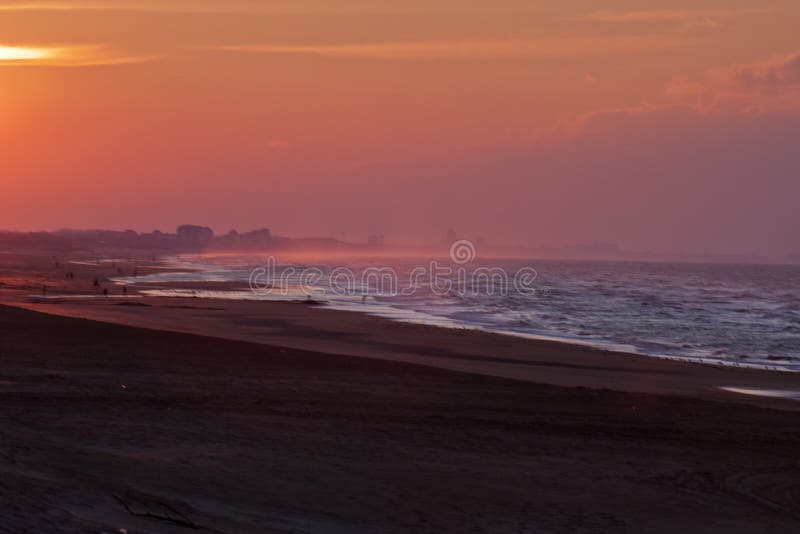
[[721, 316]]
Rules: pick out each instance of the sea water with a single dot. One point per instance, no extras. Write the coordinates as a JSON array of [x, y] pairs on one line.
[[744, 315]]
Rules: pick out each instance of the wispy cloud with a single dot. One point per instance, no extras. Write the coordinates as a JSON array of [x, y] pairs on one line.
[[755, 89], [770, 77], [476, 50], [66, 56], [669, 15], [155, 6], [769, 85]]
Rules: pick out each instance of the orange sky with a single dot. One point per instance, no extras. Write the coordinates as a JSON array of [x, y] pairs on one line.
[[526, 122]]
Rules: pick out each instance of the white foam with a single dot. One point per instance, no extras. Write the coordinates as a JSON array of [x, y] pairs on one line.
[[681, 313], [773, 393]]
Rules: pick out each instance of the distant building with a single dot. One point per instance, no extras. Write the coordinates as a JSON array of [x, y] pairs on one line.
[[258, 238], [233, 240], [195, 235]]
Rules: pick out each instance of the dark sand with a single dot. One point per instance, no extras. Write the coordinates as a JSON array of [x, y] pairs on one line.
[[106, 427], [300, 326]]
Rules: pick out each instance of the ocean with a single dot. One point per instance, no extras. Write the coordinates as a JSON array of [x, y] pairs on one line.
[[743, 315]]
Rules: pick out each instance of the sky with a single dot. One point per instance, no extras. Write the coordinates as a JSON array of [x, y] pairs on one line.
[[668, 126]]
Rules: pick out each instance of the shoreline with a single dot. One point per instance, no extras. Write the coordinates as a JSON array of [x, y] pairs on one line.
[[323, 304], [187, 277], [298, 325], [224, 289]]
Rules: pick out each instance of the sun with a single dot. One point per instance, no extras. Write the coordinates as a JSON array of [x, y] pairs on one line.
[[22, 53]]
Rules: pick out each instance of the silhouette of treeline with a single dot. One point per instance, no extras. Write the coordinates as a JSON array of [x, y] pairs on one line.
[[187, 237]]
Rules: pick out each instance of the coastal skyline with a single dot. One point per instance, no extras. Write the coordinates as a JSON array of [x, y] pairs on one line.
[[668, 129]]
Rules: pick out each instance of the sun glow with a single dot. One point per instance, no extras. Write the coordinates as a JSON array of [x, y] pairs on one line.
[[21, 53]]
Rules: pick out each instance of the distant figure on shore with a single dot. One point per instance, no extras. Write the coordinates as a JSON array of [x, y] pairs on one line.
[[363, 299], [105, 291], [44, 290], [96, 283], [125, 290]]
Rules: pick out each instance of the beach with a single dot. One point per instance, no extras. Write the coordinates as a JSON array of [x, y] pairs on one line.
[[352, 266], [287, 417]]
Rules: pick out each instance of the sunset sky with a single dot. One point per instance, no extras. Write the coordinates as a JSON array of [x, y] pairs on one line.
[[669, 126]]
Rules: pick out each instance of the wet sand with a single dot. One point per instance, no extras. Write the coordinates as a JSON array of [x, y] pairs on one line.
[[301, 326]]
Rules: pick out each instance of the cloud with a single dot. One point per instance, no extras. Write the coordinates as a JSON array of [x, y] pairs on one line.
[[688, 22], [139, 5], [477, 50], [66, 56], [770, 77], [607, 120], [668, 15], [700, 26], [681, 87], [189, 6], [760, 87]]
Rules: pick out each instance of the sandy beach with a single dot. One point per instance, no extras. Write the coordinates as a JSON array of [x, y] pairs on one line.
[[304, 326], [281, 417]]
